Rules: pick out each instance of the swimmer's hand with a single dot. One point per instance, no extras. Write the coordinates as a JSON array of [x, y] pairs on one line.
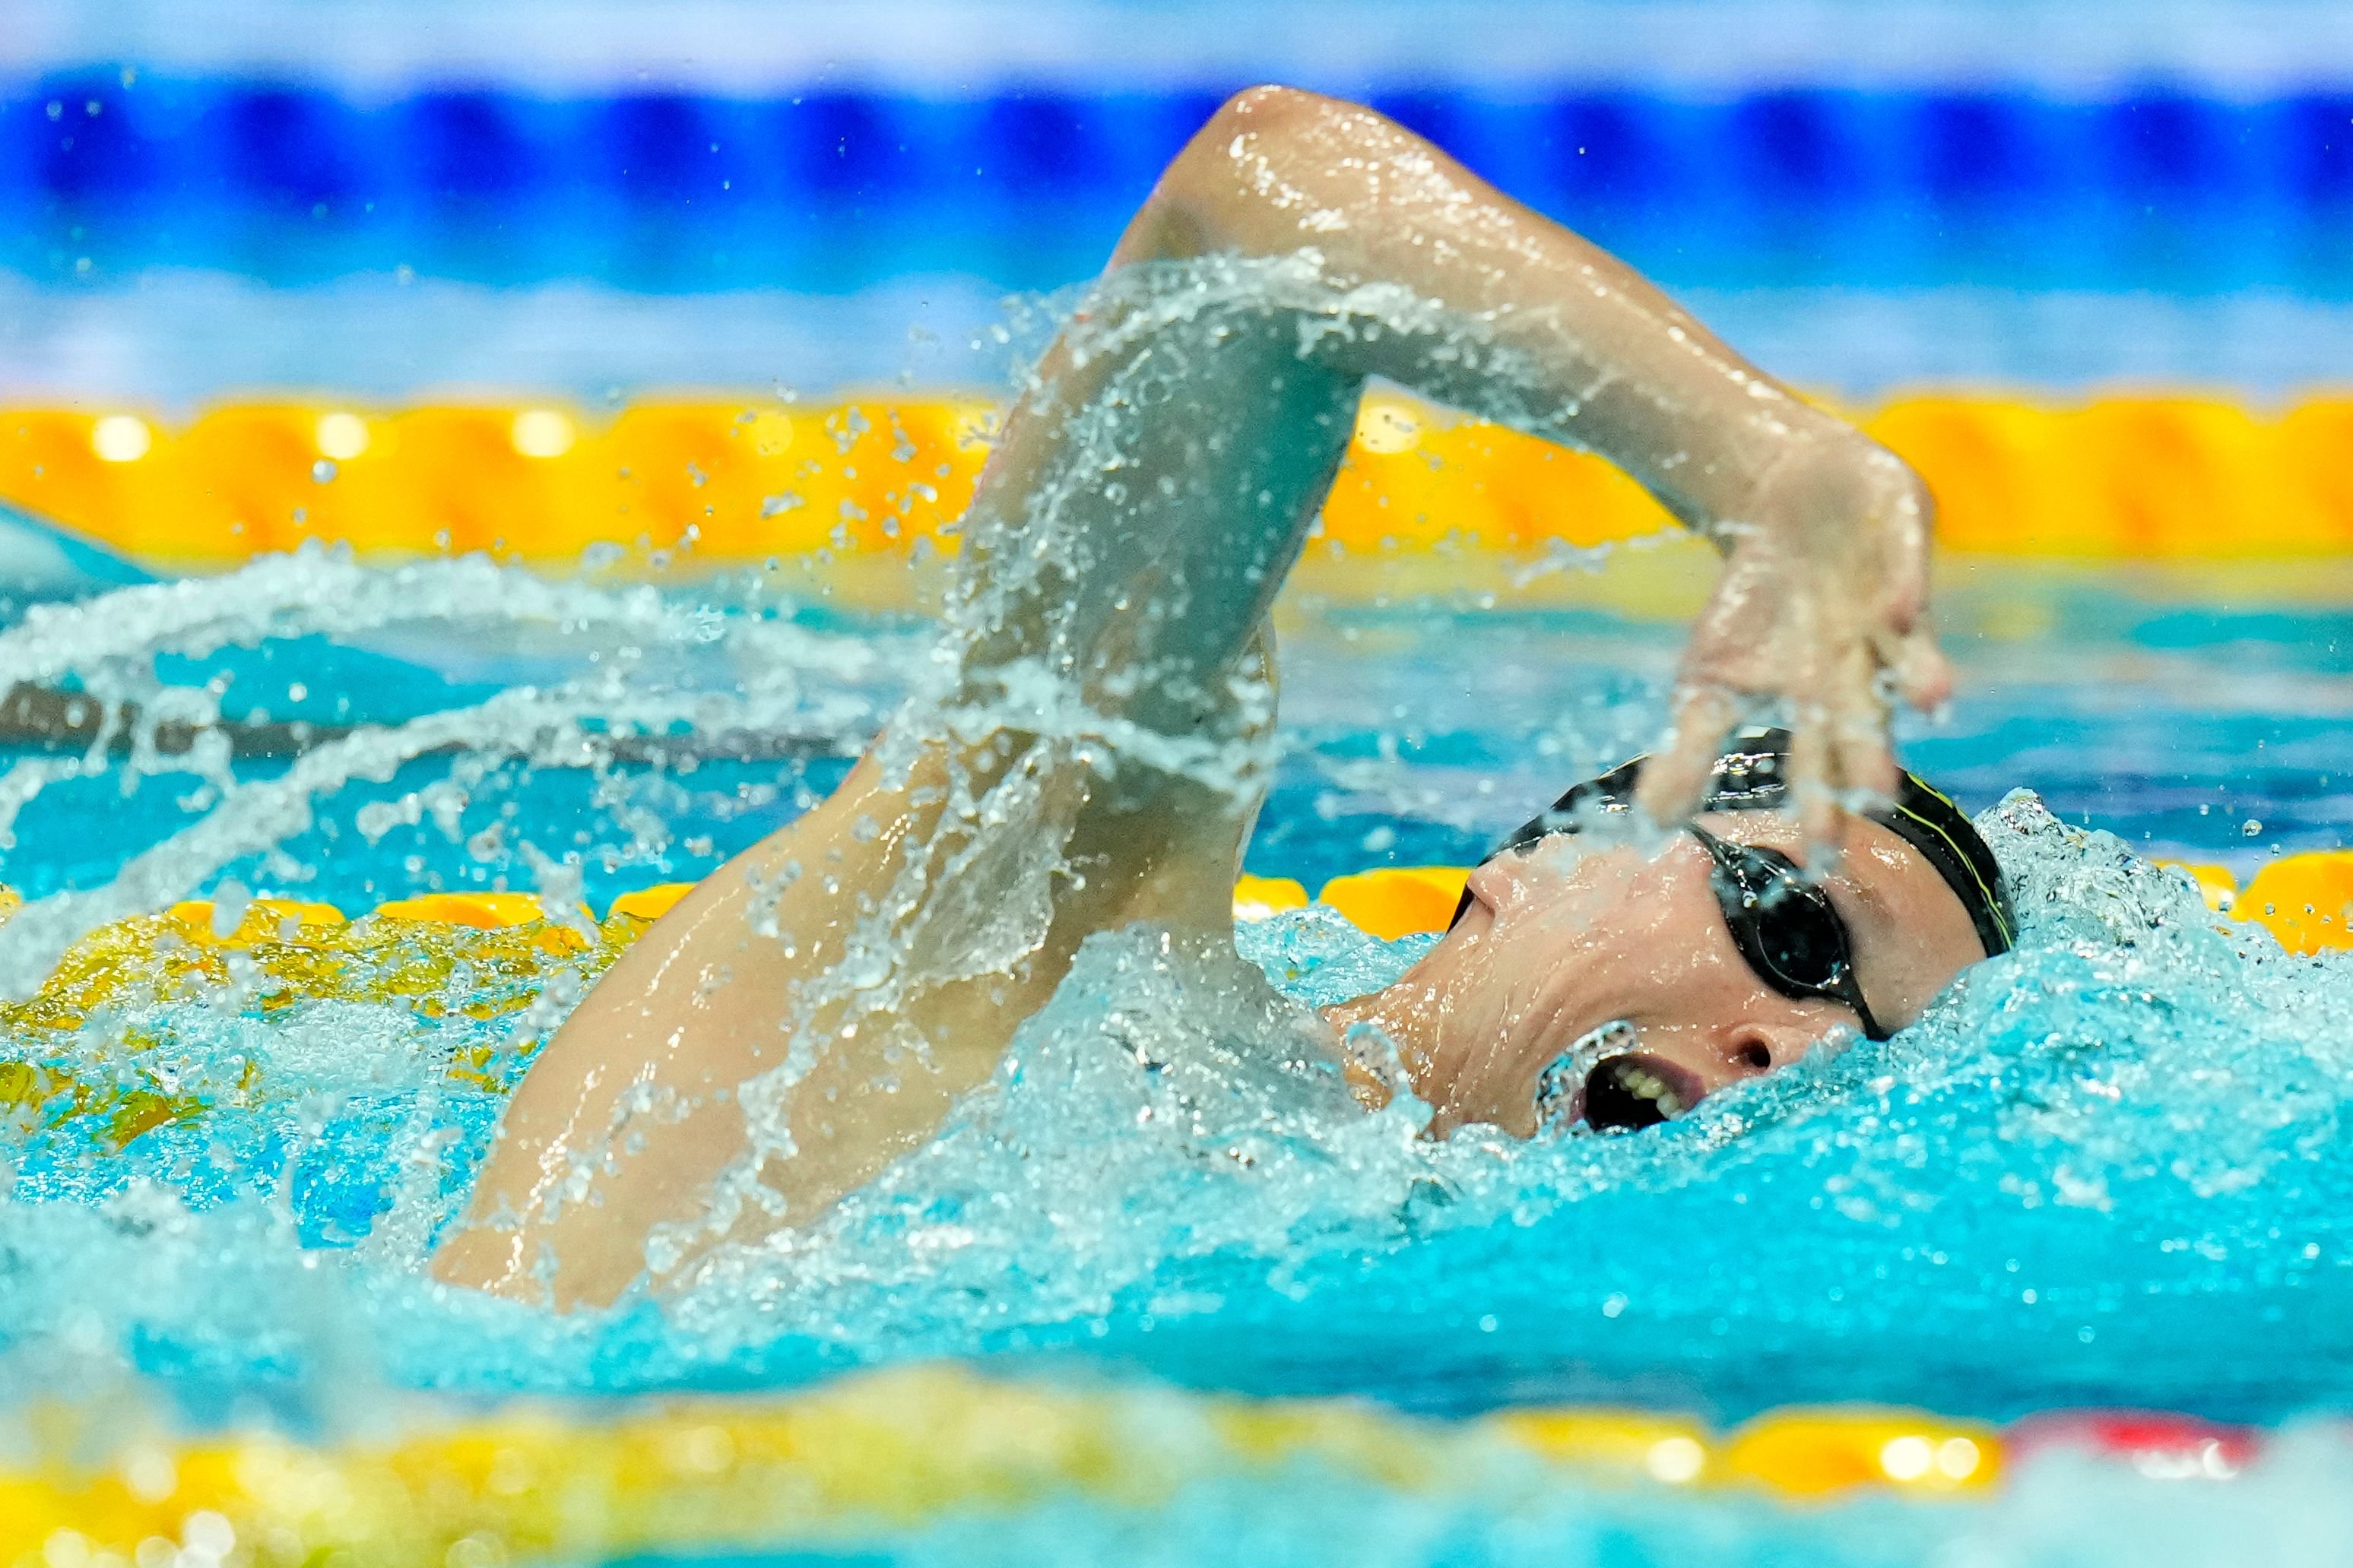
[[1822, 613]]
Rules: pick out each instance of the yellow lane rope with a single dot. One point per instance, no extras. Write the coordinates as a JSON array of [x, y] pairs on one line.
[[874, 1454], [2305, 899], [726, 481], [410, 947], [485, 955]]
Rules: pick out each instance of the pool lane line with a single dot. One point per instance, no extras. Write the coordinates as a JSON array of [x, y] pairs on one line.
[[880, 1453], [722, 482], [2305, 899], [109, 168]]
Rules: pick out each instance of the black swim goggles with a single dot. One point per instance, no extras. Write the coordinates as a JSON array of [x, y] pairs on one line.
[[1784, 926]]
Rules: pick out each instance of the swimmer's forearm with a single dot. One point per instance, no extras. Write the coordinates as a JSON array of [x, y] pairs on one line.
[[1155, 481], [1620, 368]]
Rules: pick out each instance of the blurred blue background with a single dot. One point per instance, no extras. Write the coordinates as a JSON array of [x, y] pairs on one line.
[[598, 196]]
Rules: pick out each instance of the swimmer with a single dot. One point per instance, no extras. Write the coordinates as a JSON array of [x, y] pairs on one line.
[[813, 1010]]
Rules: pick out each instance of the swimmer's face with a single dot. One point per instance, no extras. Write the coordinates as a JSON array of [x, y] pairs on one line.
[[1563, 938]]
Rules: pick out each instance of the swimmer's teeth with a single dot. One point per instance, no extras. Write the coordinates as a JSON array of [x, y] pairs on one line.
[[1649, 1086]]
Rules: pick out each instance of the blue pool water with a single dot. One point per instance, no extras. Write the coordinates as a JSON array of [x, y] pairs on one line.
[[2098, 1173], [2106, 1170]]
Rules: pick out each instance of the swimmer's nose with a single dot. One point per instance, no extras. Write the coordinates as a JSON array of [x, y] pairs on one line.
[[1509, 879], [1493, 883]]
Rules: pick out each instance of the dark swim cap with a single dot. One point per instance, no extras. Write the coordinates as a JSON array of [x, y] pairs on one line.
[[1751, 776]]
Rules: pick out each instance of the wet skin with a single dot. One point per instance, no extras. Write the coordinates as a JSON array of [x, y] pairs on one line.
[[726, 1081], [1567, 937]]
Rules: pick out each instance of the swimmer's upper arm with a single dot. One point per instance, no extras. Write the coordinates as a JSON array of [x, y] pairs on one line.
[[638, 1112]]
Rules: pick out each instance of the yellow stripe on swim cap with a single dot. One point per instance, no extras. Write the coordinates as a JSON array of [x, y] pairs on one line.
[[1989, 906]]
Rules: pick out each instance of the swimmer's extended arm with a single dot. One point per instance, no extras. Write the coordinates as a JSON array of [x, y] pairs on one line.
[[814, 1008], [1826, 534]]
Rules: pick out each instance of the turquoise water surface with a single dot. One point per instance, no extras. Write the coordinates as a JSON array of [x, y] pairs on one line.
[[2103, 1171]]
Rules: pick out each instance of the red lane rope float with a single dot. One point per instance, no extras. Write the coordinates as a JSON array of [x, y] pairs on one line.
[[725, 482], [2157, 1443]]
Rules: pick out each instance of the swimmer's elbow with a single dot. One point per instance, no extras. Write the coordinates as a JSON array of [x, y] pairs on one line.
[[1270, 108], [1212, 194]]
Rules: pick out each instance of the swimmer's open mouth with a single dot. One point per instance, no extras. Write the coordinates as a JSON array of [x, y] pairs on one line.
[[1627, 1092]]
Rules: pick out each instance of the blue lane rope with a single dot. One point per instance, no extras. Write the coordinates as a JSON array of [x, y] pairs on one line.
[[285, 181]]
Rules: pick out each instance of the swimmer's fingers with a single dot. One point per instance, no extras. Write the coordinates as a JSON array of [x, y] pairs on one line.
[[1901, 631], [1860, 767], [1674, 780], [1740, 650], [1813, 788], [1922, 675], [1847, 763], [1835, 678], [1881, 666], [1825, 624]]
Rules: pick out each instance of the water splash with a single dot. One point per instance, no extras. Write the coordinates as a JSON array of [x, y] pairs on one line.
[[780, 678], [2078, 1178], [2083, 1177]]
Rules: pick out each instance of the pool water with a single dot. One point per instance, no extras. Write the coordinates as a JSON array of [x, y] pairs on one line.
[[2102, 1171]]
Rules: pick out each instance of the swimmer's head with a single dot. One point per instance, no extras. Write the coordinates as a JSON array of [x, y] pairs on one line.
[[1585, 979]]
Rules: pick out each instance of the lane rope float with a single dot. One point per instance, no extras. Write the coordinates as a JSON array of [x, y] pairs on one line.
[[727, 482]]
